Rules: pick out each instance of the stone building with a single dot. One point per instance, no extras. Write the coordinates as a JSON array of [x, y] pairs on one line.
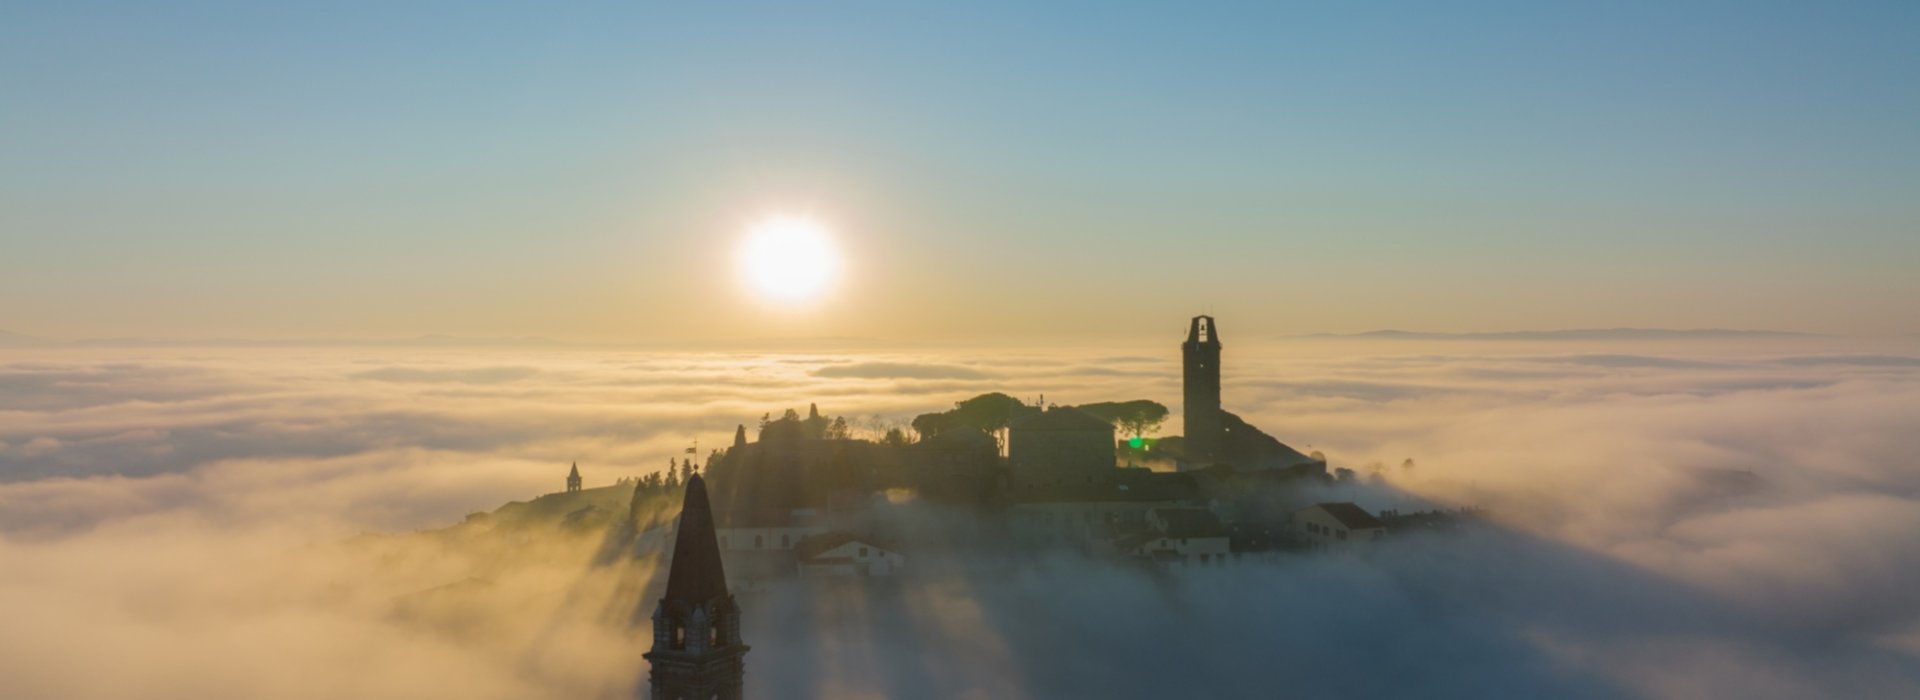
[[1058, 449], [957, 466], [1215, 435], [697, 652]]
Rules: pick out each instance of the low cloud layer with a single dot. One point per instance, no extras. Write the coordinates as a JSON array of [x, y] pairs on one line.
[[180, 523], [890, 370]]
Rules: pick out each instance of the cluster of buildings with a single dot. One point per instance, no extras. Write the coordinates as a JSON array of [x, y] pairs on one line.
[[802, 502]]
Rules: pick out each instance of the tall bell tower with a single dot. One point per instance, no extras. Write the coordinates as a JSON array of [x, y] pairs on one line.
[[696, 628], [1201, 409]]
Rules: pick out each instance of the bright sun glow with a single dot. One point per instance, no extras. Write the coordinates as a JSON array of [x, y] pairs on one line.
[[788, 259]]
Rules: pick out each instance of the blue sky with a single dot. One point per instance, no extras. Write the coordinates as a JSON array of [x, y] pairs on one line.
[[346, 169]]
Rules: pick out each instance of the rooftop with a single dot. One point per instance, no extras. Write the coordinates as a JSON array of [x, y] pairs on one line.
[[1062, 419], [1190, 522], [1350, 515], [820, 544]]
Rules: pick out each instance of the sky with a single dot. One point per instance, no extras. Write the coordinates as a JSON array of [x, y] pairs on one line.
[[998, 170]]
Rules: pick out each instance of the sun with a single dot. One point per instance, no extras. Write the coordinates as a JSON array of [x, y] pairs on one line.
[[788, 259]]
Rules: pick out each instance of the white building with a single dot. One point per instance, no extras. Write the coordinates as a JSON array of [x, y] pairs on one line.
[[753, 532], [844, 554], [1179, 536], [1338, 526]]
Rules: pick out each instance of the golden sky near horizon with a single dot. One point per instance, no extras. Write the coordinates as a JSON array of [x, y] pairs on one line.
[[303, 173]]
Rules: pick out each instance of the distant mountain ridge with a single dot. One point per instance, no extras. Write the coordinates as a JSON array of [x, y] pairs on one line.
[[1574, 334], [11, 339]]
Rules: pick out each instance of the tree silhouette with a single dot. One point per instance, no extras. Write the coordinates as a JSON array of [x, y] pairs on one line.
[[1133, 418]]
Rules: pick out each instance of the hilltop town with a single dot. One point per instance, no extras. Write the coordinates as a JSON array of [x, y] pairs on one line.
[[801, 496]]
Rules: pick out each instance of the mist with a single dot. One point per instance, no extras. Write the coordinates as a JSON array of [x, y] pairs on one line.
[[198, 523]]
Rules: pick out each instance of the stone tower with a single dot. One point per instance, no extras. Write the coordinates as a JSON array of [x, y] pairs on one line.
[[1201, 356], [573, 478], [696, 627]]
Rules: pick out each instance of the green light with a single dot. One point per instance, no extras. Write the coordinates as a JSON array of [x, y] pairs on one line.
[[1135, 443]]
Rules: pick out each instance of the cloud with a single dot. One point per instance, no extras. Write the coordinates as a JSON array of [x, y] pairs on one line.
[[1637, 361], [898, 370], [63, 386], [193, 517], [480, 375], [1349, 389], [1855, 360]]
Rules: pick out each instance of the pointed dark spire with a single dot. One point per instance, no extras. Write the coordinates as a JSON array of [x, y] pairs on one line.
[[696, 575], [575, 474], [696, 627], [740, 436]]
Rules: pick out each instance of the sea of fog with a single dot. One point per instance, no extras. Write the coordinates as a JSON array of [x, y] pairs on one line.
[[198, 522]]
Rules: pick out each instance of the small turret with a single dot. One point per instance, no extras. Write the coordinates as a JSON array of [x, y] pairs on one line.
[[573, 478]]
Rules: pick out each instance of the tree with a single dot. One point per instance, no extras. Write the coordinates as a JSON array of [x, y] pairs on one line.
[[787, 427], [931, 424], [837, 430], [1134, 418], [988, 412], [895, 437]]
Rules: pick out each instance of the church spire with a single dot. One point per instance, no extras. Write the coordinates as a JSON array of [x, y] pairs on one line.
[[696, 575], [573, 478], [696, 627]]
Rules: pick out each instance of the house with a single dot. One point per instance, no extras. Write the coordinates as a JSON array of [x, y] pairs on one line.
[[758, 530], [1179, 536], [1058, 448], [844, 554], [1338, 526], [959, 465], [1081, 515]]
